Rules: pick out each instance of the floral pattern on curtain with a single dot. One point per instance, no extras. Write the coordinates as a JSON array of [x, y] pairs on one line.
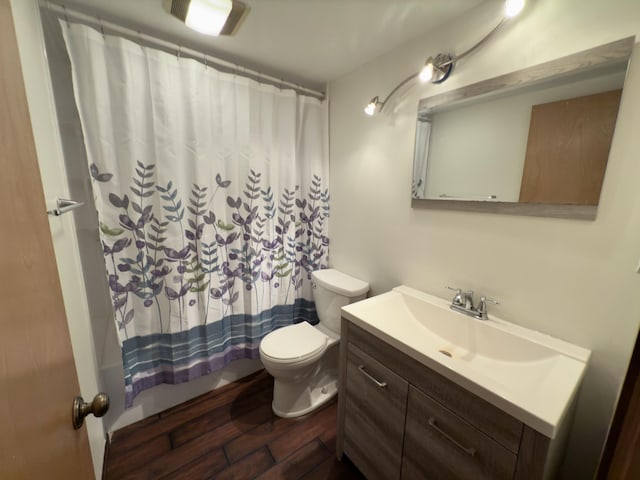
[[212, 199]]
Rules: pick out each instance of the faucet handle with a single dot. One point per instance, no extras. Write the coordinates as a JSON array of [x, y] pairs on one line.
[[490, 300], [482, 306], [458, 298]]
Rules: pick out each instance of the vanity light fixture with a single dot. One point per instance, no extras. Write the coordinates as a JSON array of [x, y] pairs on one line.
[[209, 17], [437, 69]]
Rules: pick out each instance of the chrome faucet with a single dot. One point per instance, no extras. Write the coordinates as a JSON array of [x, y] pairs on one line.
[[463, 302]]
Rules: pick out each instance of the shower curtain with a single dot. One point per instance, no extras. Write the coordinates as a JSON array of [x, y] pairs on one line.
[[212, 198], [421, 158]]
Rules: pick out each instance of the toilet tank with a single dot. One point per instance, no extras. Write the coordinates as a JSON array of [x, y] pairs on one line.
[[332, 290]]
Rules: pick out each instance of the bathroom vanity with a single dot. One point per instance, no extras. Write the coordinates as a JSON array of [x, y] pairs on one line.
[[406, 413]]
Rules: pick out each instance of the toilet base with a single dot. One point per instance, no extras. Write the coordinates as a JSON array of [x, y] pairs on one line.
[[299, 398]]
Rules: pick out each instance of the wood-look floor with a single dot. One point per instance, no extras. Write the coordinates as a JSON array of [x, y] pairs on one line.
[[229, 433]]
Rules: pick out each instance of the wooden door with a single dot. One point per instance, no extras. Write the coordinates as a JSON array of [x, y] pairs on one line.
[[38, 380], [621, 457], [568, 149]]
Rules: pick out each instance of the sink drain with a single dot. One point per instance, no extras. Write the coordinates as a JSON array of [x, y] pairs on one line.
[[444, 352]]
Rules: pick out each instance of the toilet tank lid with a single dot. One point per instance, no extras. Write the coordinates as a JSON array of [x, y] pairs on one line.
[[340, 283]]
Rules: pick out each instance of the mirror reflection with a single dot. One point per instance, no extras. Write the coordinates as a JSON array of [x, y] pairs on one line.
[[544, 139]]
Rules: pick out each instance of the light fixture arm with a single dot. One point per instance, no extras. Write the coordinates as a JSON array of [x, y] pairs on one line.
[[396, 88], [454, 58], [480, 42], [437, 69]]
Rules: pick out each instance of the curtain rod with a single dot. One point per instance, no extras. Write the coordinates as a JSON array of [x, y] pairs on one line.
[[68, 13]]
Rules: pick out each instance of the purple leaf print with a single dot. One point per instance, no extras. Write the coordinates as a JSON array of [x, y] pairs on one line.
[[216, 293], [210, 219], [175, 255], [115, 200], [126, 222], [226, 241], [160, 272], [115, 286], [119, 303], [222, 183], [120, 245], [267, 277], [234, 203], [128, 317], [96, 175], [237, 219], [271, 245], [171, 293]]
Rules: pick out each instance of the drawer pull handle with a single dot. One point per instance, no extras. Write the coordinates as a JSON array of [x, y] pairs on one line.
[[374, 380], [467, 450]]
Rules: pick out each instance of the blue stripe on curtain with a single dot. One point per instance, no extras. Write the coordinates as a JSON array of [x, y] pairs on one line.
[[179, 357]]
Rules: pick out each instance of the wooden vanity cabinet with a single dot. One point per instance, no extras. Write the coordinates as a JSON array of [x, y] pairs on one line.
[[375, 411], [397, 419], [438, 444]]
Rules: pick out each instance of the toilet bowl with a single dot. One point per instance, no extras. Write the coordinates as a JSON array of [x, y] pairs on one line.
[[303, 358]]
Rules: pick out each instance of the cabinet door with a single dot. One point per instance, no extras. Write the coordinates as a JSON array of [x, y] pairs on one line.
[[375, 408], [440, 445]]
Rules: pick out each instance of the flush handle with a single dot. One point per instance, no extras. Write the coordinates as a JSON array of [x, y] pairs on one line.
[[98, 407], [371, 377]]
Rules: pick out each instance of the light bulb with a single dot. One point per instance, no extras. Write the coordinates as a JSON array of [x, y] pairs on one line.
[[208, 16], [513, 7], [426, 73], [370, 109]]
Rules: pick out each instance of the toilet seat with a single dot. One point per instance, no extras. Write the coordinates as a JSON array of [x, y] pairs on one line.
[[293, 344]]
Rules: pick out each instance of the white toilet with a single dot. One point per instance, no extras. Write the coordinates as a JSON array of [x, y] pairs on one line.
[[303, 358]]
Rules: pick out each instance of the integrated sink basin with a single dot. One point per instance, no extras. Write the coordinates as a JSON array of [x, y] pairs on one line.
[[529, 375]]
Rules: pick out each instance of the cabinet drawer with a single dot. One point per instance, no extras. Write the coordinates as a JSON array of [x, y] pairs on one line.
[[375, 409], [439, 445]]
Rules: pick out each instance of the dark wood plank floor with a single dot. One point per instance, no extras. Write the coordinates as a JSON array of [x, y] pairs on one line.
[[229, 433]]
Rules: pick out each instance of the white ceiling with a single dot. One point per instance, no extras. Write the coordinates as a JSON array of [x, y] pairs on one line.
[[310, 42]]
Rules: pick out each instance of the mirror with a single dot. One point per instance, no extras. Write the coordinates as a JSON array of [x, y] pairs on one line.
[[532, 142]]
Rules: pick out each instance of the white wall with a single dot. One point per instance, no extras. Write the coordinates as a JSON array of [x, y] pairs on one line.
[[572, 279]]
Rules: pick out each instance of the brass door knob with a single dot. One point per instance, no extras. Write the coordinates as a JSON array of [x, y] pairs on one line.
[[81, 409]]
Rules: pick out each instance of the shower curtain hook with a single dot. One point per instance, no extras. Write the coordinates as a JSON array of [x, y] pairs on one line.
[[179, 52], [101, 26], [66, 17], [204, 58]]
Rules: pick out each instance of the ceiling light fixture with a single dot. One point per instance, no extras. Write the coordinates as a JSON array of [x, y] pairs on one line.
[[437, 69], [209, 17]]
